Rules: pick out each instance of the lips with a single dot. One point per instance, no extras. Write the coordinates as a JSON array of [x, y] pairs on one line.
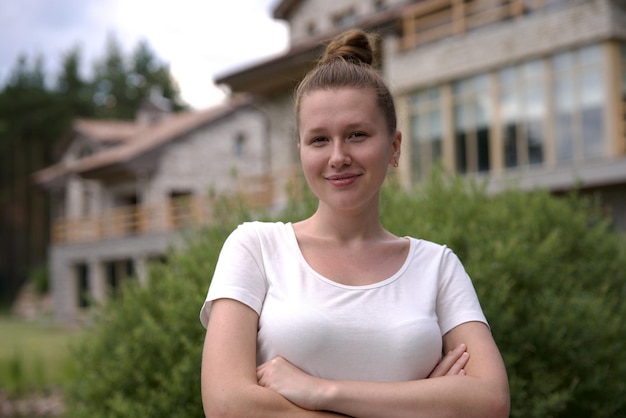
[[342, 180]]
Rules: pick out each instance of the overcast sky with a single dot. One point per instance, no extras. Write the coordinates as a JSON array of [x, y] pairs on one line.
[[198, 38]]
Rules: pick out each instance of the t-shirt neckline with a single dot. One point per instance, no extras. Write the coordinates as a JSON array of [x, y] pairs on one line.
[[293, 241]]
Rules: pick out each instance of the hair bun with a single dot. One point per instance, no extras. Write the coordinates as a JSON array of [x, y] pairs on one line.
[[354, 46]]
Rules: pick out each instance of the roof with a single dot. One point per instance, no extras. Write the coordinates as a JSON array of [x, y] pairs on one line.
[[133, 142], [106, 131], [284, 8], [285, 71]]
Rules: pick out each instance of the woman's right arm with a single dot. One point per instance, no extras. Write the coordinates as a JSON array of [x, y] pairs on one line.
[[229, 378]]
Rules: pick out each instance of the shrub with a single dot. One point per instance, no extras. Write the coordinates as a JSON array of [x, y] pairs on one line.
[[142, 355], [549, 273]]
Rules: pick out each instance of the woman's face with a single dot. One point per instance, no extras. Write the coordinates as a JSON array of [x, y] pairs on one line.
[[345, 146]]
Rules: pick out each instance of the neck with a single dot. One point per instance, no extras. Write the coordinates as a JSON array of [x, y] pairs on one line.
[[348, 226]]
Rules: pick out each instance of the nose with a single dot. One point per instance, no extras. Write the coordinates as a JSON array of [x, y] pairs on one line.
[[339, 155]]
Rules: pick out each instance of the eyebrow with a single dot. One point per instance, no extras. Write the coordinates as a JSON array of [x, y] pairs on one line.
[[351, 126]]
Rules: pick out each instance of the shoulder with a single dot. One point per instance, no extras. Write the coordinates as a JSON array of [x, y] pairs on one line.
[[434, 253], [259, 234], [429, 248], [260, 229]]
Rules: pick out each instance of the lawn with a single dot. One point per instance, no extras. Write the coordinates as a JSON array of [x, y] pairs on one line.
[[34, 356]]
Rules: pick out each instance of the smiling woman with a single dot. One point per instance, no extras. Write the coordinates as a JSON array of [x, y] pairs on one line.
[[345, 144], [334, 315]]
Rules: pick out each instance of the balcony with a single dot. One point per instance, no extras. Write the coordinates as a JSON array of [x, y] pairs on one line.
[[431, 20], [168, 216]]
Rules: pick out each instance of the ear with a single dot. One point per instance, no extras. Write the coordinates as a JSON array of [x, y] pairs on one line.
[[395, 144]]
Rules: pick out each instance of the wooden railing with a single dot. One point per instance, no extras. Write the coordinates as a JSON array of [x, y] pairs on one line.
[[133, 220], [170, 215], [431, 20]]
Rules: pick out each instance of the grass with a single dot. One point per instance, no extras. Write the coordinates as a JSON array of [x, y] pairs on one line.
[[34, 356]]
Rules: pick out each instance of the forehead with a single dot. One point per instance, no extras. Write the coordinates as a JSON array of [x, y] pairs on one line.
[[342, 104]]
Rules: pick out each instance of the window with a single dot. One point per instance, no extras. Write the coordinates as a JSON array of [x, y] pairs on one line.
[[84, 151], [426, 131], [578, 90], [522, 110], [532, 5], [116, 272], [240, 145], [311, 29], [347, 18], [554, 4], [82, 284], [181, 213], [554, 103], [471, 121], [113, 278]]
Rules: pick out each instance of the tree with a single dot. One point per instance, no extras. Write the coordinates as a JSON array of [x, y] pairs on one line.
[[122, 84], [149, 73], [35, 114], [30, 123], [75, 90], [109, 85]]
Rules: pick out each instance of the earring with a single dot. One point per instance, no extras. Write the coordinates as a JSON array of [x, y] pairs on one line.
[[395, 164]]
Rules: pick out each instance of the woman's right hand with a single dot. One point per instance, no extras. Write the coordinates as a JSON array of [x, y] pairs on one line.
[[452, 364]]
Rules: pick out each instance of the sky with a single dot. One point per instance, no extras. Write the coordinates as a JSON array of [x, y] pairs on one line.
[[199, 39]]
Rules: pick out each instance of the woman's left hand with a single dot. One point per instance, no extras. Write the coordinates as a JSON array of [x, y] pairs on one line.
[[453, 363], [292, 383]]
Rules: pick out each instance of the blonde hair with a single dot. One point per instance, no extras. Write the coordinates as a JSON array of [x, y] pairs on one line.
[[349, 61]]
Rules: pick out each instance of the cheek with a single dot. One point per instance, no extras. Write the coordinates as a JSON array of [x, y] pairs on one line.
[[308, 163]]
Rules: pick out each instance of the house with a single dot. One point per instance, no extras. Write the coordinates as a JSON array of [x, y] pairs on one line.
[[529, 93], [123, 190]]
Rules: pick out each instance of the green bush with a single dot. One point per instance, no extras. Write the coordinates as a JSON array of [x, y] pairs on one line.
[[549, 272], [141, 356], [40, 278]]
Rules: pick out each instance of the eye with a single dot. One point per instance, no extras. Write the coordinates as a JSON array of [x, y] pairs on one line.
[[318, 141], [356, 137]]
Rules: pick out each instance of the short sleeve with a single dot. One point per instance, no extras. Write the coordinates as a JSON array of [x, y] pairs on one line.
[[457, 301], [239, 273]]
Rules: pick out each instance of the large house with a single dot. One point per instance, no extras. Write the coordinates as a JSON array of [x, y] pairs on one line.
[[530, 93]]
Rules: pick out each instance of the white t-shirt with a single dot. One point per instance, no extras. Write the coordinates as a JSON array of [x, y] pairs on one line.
[[388, 331]]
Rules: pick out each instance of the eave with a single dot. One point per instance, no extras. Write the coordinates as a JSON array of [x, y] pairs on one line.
[[282, 73], [284, 9]]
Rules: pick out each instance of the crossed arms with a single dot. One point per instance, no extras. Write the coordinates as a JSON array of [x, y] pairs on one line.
[[470, 380]]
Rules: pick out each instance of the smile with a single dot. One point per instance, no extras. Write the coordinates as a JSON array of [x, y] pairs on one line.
[[342, 180]]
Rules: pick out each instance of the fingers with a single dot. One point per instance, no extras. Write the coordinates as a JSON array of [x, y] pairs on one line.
[[267, 368], [452, 363], [457, 367]]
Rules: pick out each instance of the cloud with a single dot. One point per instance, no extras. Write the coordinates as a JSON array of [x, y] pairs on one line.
[[198, 38]]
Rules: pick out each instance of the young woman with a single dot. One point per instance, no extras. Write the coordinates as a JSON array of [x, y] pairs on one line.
[[334, 315]]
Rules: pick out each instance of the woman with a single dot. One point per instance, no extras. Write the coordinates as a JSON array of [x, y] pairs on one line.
[[334, 315]]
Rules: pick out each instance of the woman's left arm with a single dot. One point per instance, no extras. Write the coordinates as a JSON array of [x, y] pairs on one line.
[[481, 391]]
